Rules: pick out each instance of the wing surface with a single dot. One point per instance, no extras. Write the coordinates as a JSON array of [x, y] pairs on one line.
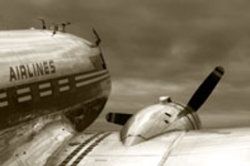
[[179, 148]]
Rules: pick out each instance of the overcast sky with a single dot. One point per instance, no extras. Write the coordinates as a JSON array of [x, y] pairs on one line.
[[161, 47]]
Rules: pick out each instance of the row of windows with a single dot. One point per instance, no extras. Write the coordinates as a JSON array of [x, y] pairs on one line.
[[24, 94], [45, 89]]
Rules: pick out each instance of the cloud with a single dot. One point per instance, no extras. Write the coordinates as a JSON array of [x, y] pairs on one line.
[[132, 94], [156, 47]]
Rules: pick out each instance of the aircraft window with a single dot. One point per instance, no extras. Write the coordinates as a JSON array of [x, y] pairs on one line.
[[3, 95], [46, 93], [63, 81], [64, 88], [45, 85], [79, 84], [4, 103], [24, 98], [23, 90]]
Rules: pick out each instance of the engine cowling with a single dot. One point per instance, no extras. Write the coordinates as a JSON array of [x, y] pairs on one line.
[[157, 119], [166, 116]]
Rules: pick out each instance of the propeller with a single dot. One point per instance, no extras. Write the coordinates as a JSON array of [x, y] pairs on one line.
[[196, 101], [205, 89], [118, 118]]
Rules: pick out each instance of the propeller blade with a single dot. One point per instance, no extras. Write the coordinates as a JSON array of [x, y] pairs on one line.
[[118, 118], [98, 39], [205, 89]]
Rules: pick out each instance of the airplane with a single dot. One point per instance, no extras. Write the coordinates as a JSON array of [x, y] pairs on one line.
[[55, 84]]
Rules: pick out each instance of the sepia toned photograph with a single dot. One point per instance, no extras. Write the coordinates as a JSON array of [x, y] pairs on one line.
[[124, 83]]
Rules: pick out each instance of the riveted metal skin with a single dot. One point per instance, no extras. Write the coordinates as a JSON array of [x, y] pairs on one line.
[[54, 83]]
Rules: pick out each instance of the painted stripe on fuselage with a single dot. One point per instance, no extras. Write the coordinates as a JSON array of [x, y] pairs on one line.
[[86, 76], [86, 82], [77, 150], [89, 149]]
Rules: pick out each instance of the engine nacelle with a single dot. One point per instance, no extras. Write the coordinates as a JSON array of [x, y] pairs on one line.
[[158, 119], [166, 116]]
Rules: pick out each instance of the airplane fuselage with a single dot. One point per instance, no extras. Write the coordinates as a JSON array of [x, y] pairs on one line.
[[44, 78]]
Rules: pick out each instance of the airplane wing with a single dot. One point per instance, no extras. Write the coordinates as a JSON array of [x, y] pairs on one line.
[[177, 148]]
